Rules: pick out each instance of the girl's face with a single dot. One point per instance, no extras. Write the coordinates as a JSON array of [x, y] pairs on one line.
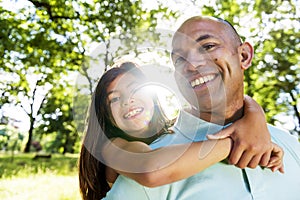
[[131, 105]]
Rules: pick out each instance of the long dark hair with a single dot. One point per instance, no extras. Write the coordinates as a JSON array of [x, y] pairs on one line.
[[92, 178]]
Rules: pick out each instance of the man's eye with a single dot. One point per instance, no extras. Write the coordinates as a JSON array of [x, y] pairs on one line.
[[207, 47], [179, 61], [114, 99]]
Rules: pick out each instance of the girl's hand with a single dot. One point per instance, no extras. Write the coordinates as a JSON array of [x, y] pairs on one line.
[[251, 139], [275, 162]]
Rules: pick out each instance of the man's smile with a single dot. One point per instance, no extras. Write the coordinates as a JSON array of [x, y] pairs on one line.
[[201, 80]]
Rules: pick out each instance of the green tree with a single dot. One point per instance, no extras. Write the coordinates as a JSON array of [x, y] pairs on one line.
[[45, 40], [275, 75], [34, 60], [57, 119]]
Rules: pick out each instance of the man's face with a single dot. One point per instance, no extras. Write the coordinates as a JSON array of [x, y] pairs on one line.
[[207, 63]]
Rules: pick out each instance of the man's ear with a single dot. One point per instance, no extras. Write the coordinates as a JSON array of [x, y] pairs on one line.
[[246, 55]]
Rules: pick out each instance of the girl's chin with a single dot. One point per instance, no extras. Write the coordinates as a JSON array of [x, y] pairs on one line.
[[140, 132]]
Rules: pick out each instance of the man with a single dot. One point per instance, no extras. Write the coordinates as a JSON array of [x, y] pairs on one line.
[[210, 60]]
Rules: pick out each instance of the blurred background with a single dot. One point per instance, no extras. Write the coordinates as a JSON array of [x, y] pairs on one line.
[[53, 52]]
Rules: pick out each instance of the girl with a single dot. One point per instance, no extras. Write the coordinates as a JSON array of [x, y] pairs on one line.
[[128, 118]]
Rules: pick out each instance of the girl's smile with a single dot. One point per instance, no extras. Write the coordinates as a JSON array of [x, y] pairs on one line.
[[132, 107]]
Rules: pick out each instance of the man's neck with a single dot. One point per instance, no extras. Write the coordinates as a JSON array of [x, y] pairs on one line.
[[221, 118]]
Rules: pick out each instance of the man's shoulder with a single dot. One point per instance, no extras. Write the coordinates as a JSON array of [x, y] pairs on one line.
[[286, 140], [280, 133]]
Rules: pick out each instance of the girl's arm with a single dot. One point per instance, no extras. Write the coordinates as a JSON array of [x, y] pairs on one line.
[[158, 167], [252, 144], [172, 163], [164, 165]]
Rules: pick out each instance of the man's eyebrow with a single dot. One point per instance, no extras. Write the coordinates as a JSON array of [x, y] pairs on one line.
[[204, 37]]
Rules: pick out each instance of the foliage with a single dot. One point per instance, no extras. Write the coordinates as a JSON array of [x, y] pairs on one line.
[[276, 78], [57, 120], [10, 138], [44, 41]]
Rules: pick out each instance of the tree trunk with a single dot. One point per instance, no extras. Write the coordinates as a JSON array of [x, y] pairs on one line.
[[30, 133], [297, 114]]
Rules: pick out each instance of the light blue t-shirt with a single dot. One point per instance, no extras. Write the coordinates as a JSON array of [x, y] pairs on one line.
[[220, 181]]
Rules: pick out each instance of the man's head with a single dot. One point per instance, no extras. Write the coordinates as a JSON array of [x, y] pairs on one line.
[[210, 60]]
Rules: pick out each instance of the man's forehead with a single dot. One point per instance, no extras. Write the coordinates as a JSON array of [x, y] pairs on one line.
[[195, 30], [194, 27], [194, 23], [198, 26]]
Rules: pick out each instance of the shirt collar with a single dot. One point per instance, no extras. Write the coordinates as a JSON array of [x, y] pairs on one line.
[[194, 128]]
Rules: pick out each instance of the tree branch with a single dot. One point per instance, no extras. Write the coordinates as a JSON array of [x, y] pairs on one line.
[[294, 105], [85, 73], [48, 8]]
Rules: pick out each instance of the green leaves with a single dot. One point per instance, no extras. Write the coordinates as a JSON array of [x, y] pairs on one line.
[[45, 41]]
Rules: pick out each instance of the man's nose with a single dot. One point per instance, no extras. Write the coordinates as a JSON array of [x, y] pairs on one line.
[[194, 60]]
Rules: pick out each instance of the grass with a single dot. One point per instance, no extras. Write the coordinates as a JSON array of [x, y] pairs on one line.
[[44, 179]]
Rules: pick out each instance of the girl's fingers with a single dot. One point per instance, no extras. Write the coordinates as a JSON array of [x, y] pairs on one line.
[[265, 159], [225, 133]]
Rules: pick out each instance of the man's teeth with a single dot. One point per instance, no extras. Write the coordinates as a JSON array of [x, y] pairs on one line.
[[201, 80], [133, 112]]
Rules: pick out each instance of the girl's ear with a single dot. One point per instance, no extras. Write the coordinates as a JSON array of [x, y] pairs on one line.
[[246, 55]]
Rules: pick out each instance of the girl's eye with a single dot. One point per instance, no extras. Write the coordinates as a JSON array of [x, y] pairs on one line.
[[114, 99]]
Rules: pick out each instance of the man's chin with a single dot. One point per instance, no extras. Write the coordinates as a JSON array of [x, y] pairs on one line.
[[217, 105]]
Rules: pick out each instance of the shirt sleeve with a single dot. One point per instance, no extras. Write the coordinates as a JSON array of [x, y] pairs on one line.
[[125, 188]]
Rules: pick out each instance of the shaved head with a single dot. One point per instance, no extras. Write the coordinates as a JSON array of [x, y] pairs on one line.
[[227, 25], [207, 48]]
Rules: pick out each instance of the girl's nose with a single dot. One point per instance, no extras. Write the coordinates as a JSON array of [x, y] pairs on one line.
[[127, 101]]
